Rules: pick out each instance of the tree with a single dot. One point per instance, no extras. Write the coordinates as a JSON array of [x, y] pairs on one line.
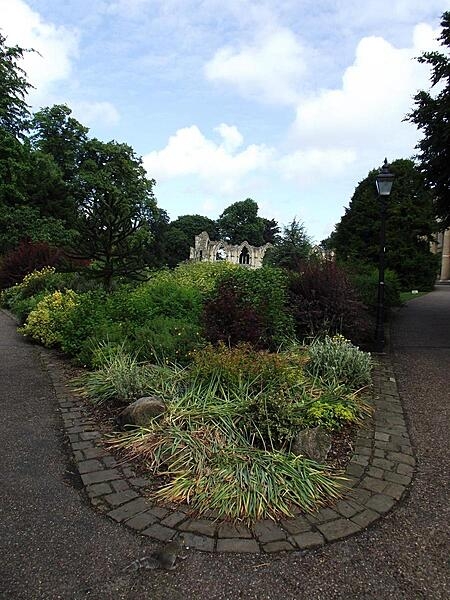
[[155, 254], [291, 249], [181, 236], [13, 90], [409, 227], [59, 140], [240, 223], [432, 115], [13, 116], [28, 179], [271, 231], [57, 133], [116, 206]]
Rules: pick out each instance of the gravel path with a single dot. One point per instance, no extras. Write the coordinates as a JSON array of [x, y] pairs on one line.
[[54, 546]]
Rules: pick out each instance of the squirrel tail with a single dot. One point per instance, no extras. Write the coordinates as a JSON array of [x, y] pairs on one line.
[[146, 562]]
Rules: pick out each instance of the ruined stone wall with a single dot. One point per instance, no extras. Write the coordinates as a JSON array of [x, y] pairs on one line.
[[243, 254]]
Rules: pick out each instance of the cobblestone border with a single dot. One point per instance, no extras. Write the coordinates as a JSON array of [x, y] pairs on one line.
[[378, 473]]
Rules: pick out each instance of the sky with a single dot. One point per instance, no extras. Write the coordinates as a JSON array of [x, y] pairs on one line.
[[288, 102]]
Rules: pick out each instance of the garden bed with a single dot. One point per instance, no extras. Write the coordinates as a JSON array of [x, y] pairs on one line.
[[225, 442]]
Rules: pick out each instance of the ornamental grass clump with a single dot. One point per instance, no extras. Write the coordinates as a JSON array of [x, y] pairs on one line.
[[201, 452], [122, 379], [335, 360]]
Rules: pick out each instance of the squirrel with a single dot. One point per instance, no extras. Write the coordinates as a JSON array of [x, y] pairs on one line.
[[164, 558]]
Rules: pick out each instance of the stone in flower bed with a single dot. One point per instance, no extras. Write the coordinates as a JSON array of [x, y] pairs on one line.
[[312, 443], [141, 412]]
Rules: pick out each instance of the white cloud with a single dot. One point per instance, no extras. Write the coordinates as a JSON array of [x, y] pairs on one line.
[[218, 166], [96, 113], [365, 116], [55, 46], [270, 69], [375, 95], [312, 164], [232, 137]]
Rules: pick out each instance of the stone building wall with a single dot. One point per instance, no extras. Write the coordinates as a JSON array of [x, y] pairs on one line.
[[443, 247], [241, 254]]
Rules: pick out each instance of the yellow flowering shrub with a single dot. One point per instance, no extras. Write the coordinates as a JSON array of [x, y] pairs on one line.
[[45, 322], [202, 275], [36, 276]]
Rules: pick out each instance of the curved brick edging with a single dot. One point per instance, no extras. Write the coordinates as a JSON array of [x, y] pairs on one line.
[[379, 473]]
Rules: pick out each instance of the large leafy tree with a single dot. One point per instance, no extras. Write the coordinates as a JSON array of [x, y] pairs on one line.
[[432, 115], [116, 207], [271, 233], [13, 90], [57, 133], [240, 222], [409, 227], [59, 140], [155, 254], [14, 115], [26, 177], [291, 249], [181, 236]]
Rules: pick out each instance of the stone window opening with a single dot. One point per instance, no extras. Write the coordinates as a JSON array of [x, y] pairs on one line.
[[244, 257], [221, 254]]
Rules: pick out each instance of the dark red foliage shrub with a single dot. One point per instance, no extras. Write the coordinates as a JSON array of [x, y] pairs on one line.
[[322, 300], [228, 318], [24, 259]]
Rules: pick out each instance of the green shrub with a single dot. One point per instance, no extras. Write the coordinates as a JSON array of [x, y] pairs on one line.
[[336, 361], [250, 305], [335, 408], [365, 280], [203, 276], [166, 339], [45, 323], [23, 297], [273, 417], [163, 299], [87, 324], [22, 307], [243, 363]]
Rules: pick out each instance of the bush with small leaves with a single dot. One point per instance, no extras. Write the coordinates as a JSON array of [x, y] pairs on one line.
[[336, 360], [322, 300], [45, 323], [26, 258]]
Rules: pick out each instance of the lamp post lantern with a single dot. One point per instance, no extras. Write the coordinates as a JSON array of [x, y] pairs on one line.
[[384, 181]]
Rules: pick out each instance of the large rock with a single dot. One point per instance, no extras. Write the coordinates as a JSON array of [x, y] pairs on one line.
[[141, 412], [312, 443]]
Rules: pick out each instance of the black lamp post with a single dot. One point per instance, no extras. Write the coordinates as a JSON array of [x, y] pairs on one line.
[[384, 182]]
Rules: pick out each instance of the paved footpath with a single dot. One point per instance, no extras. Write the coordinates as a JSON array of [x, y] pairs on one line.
[[53, 545]]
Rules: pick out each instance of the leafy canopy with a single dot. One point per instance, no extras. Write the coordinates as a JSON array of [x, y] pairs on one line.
[[431, 114], [13, 89], [240, 222], [409, 226], [291, 249], [181, 235], [116, 205]]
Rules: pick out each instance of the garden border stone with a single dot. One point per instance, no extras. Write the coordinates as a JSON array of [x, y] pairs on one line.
[[379, 475]]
